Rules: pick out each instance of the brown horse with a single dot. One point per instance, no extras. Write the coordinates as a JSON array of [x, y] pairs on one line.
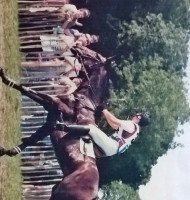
[[81, 177]]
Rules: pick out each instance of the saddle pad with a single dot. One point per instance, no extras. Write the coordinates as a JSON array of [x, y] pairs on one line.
[[87, 148]]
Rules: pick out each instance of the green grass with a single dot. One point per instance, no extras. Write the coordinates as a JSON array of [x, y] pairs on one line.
[[10, 178]]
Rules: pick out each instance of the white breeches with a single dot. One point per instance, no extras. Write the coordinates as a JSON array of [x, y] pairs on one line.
[[107, 144]]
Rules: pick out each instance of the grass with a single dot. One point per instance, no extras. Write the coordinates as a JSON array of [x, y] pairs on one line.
[[10, 178]]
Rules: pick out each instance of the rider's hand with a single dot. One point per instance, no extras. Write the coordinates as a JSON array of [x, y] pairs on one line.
[[98, 110]]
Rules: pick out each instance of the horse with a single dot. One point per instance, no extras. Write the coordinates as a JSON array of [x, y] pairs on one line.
[[81, 176]]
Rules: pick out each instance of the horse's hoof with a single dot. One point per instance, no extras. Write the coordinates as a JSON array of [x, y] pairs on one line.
[[2, 151], [2, 72], [1, 69]]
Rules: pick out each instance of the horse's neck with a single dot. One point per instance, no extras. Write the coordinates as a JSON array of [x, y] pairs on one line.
[[99, 84], [85, 107]]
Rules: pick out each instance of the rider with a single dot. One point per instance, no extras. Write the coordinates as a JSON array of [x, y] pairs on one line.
[[126, 131]]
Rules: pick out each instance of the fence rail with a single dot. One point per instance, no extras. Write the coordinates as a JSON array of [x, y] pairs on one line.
[[45, 55], [39, 166]]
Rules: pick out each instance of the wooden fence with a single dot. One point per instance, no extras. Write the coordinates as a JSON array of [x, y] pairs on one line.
[[40, 169]]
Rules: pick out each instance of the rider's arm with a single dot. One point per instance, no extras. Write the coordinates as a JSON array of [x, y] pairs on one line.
[[113, 121]]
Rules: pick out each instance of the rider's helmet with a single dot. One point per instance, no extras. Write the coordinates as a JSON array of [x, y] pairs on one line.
[[144, 118]]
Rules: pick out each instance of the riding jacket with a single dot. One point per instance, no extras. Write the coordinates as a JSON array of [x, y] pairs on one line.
[[126, 133]]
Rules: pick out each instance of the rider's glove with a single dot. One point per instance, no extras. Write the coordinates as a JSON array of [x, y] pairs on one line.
[[98, 110]]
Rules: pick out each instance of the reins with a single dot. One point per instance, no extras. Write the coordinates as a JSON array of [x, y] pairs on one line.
[[78, 54], [80, 57]]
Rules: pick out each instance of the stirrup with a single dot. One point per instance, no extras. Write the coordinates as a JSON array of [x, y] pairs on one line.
[[61, 126], [86, 139]]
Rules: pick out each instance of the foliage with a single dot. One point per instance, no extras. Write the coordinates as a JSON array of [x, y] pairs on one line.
[[149, 39], [176, 11], [119, 191], [106, 16], [164, 96]]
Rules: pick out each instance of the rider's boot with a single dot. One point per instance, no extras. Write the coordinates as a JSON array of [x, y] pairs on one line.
[[74, 129]]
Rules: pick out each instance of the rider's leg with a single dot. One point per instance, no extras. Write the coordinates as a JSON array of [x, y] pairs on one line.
[[107, 144], [74, 129]]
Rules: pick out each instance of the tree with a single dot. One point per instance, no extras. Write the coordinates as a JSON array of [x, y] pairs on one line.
[[176, 11], [119, 191], [164, 95], [151, 38], [106, 16]]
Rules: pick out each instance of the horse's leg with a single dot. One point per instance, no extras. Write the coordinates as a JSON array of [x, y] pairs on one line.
[[53, 191], [2, 151], [43, 99], [40, 134], [48, 102]]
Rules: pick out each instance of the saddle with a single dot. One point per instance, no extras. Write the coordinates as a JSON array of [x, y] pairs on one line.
[[89, 148]]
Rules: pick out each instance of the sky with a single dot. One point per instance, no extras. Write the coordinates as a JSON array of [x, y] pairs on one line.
[[171, 176]]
